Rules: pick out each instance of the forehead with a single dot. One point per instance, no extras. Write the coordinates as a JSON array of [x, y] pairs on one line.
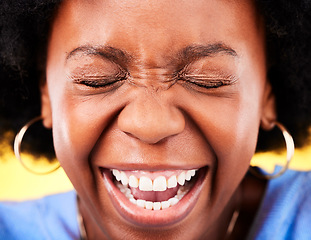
[[154, 29]]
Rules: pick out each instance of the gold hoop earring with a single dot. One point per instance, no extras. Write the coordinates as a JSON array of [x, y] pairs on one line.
[[17, 147], [290, 148]]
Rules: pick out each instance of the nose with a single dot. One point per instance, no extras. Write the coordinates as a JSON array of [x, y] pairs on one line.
[[151, 120]]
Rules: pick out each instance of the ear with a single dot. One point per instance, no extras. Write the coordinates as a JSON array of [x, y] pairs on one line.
[[268, 116], [46, 110]]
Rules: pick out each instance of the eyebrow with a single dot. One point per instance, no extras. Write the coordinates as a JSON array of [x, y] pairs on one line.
[[194, 52], [188, 54], [113, 54]]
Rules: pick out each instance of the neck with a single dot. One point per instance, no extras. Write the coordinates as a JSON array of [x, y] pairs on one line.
[[88, 227], [241, 210], [252, 193]]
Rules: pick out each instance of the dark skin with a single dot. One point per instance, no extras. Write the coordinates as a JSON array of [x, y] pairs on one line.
[[252, 191], [156, 86]]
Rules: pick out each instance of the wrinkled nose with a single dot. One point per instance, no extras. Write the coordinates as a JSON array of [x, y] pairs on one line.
[[151, 121]]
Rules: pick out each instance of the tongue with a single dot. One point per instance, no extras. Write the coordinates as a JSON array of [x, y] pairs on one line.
[[155, 196]]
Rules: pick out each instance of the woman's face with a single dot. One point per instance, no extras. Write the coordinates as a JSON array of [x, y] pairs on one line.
[[154, 89]]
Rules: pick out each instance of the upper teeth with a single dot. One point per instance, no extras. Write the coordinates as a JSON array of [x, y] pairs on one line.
[[160, 183]]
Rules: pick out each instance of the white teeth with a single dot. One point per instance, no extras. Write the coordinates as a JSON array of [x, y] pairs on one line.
[[141, 203], [172, 182], [133, 181], [153, 205], [145, 184], [165, 204], [181, 192], [159, 184], [124, 178], [181, 178], [128, 191], [133, 200], [173, 201], [149, 205], [156, 206], [188, 175], [129, 195], [192, 171], [117, 174]]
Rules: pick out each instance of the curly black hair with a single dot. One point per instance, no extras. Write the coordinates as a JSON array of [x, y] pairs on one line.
[[24, 27]]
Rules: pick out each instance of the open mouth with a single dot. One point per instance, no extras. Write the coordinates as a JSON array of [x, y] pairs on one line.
[[154, 191], [154, 198]]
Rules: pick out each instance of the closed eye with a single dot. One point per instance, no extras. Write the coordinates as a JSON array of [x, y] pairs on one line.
[[97, 81], [207, 82], [100, 81]]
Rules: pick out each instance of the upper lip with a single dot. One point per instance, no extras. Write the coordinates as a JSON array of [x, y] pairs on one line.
[[151, 168]]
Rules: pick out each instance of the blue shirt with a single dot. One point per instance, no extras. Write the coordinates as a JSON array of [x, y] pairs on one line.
[[50, 218], [285, 211], [284, 214]]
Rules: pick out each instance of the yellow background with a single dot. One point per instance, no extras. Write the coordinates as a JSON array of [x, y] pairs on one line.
[[18, 184]]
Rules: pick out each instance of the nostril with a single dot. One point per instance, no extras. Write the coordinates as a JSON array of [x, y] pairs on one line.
[[151, 124], [152, 134]]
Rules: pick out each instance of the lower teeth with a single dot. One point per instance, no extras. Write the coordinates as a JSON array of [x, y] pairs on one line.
[[182, 191]]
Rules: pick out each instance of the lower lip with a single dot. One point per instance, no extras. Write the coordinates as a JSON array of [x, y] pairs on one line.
[[153, 218]]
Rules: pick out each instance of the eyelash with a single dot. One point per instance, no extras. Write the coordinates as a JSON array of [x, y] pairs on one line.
[[101, 81], [200, 81], [203, 81]]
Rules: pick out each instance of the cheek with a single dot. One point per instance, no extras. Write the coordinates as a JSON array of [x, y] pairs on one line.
[[231, 131], [230, 126], [78, 123]]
